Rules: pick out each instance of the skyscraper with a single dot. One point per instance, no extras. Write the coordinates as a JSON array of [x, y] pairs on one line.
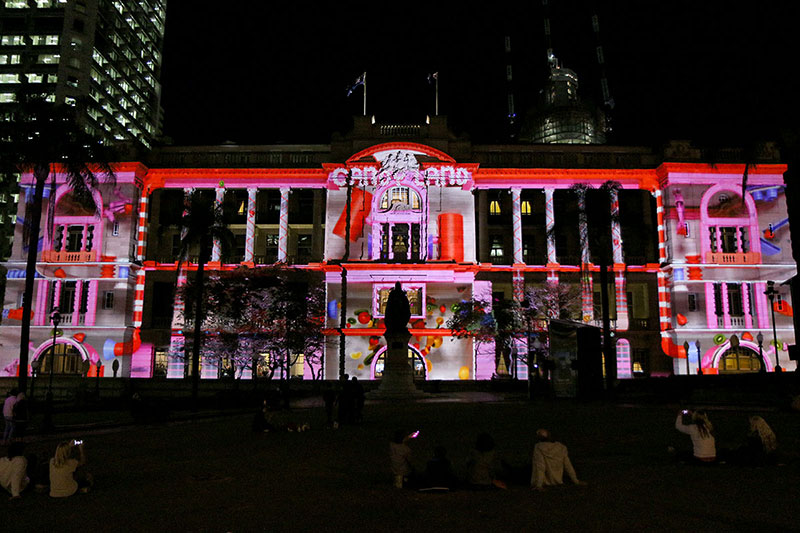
[[103, 56]]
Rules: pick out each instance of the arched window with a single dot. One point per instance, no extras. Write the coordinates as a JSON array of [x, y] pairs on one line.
[[415, 359], [526, 207], [66, 359], [494, 207], [739, 359], [400, 198]]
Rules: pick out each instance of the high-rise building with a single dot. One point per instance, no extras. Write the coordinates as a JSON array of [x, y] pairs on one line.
[[103, 56]]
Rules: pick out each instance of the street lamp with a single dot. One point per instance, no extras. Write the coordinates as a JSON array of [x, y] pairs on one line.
[[686, 348], [760, 339], [55, 318], [771, 292]]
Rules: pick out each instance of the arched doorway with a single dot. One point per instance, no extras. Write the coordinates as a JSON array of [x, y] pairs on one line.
[[738, 360], [66, 360], [415, 359]]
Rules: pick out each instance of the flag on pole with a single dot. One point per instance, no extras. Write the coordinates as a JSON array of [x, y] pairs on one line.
[[432, 77], [359, 81]]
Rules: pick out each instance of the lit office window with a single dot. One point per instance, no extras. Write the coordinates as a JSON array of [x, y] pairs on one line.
[[494, 207], [9, 78], [16, 4], [35, 78], [49, 59], [7, 98], [12, 40]]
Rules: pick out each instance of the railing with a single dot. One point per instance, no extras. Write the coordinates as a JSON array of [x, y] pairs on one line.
[[400, 130], [738, 258], [51, 256]]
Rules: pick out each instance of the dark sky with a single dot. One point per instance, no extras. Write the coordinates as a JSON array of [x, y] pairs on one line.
[[261, 72]]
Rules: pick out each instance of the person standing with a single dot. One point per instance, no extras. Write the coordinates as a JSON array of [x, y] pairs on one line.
[[8, 415]]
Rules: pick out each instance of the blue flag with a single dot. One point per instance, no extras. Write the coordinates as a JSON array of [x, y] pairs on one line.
[[359, 81]]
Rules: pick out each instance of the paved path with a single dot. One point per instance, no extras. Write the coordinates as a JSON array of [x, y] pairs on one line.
[[215, 475]]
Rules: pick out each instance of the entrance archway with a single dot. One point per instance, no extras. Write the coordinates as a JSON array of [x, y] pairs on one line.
[[67, 358], [738, 360], [415, 359]]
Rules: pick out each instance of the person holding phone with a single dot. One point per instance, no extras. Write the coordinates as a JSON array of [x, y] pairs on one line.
[[65, 478], [400, 458], [697, 425]]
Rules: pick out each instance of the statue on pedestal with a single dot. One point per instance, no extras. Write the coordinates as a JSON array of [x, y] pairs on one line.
[[398, 377]]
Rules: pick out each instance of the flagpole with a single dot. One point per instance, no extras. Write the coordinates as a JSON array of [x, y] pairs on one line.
[[437, 94], [365, 94]]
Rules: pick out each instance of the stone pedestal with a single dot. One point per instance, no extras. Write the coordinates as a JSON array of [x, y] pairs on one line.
[[398, 376]]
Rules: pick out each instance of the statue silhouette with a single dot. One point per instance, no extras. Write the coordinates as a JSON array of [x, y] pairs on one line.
[[398, 311]]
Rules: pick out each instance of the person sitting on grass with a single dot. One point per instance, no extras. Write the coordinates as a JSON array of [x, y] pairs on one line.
[[483, 467], [697, 425], [439, 475], [65, 478], [550, 461], [760, 446], [12, 470]]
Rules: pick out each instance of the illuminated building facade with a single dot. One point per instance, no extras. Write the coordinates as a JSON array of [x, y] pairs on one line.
[[688, 258], [101, 55]]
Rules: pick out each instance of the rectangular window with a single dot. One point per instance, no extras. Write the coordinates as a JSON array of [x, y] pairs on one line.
[[692, 300], [414, 295], [74, 239], [735, 299], [115, 229], [718, 299], [108, 300], [728, 239]]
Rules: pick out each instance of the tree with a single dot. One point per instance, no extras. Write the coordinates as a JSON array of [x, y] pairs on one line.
[[202, 223], [271, 310], [45, 140]]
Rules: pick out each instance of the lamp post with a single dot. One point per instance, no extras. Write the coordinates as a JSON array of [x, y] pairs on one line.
[[699, 359], [771, 292], [97, 381], [47, 424], [760, 339], [686, 348], [36, 364]]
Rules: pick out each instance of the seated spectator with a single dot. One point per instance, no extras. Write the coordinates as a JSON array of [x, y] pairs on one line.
[[12, 470], [65, 479], [697, 425], [761, 444], [400, 459], [439, 474], [550, 461], [483, 466]]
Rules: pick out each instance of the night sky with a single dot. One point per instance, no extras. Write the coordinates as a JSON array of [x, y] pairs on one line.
[[262, 72]]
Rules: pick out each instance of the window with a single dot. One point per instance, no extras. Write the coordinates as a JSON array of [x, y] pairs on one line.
[[640, 361], [34, 78], [271, 247], [160, 364], [735, 299], [494, 207], [48, 59], [525, 207], [115, 229], [303, 248], [739, 359], [415, 360], [624, 359], [12, 40], [401, 197], [12, 59], [496, 252], [414, 294], [9, 78], [74, 238], [692, 301], [7, 98], [74, 62], [65, 359], [718, 299], [108, 300]]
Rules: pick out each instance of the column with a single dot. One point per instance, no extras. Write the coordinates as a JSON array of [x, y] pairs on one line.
[[216, 250], [318, 238], [516, 218], [76, 305], [587, 285], [283, 228], [482, 253], [57, 295], [91, 307], [251, 225], [748, 318], [141, 243], [550, 224], [726, 313], [40, 311], [762, 306], [138, 299], [711, 305], [619, 263]]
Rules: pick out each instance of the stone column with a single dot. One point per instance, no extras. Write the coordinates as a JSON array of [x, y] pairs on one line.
[[76, 304], [587, 283], [216, 250], [619, 264], [251, 225], [283, 227], [516, 218], [550, 224], [141, 243]]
